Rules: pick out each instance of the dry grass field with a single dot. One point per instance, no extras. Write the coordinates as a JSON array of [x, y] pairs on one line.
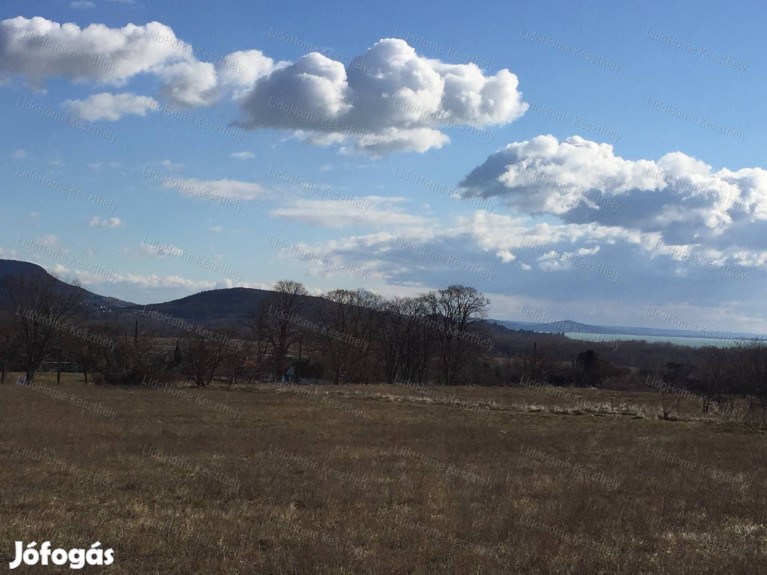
[[379, 479]]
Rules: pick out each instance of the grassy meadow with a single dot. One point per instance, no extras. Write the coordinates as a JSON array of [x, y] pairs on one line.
[[382, 479]]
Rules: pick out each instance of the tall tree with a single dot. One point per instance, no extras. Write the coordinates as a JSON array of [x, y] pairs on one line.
[[347, 333], [753, 375], [7, 345], [406, 339], [718, 378], [256, 323], [455, 310], [42, 308], [282, 325], [83, 350]]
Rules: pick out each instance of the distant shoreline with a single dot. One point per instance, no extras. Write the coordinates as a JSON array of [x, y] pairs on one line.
[[688, 341]]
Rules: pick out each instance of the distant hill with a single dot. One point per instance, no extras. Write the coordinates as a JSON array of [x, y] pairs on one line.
[[17, 268], [96, 305], [217, 307], [223, 307]]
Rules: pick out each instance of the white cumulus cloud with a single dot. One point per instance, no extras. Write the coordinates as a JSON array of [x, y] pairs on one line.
[[581, 181], [388, 99], [111, 107], [38, 49]]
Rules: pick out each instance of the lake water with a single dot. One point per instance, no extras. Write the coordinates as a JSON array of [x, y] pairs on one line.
[[688, 341]]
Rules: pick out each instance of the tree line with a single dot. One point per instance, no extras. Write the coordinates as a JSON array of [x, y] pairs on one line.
[[355, 336], [350, 336]]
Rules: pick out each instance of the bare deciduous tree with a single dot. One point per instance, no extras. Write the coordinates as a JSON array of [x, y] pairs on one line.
[[256, 323], [7, 345], [201, 356], [407, 340], [278, 325], [348, 331], [43, 307], [455, 310], [753, 376]]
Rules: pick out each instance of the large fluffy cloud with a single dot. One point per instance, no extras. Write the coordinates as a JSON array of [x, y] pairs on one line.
[[388, 99], [679, 197], [38, 49], [310, 93]]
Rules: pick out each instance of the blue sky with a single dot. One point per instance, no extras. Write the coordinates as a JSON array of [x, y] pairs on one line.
[[586, 161]]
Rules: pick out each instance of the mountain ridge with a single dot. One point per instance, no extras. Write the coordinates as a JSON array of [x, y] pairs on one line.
[[232, 305]]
